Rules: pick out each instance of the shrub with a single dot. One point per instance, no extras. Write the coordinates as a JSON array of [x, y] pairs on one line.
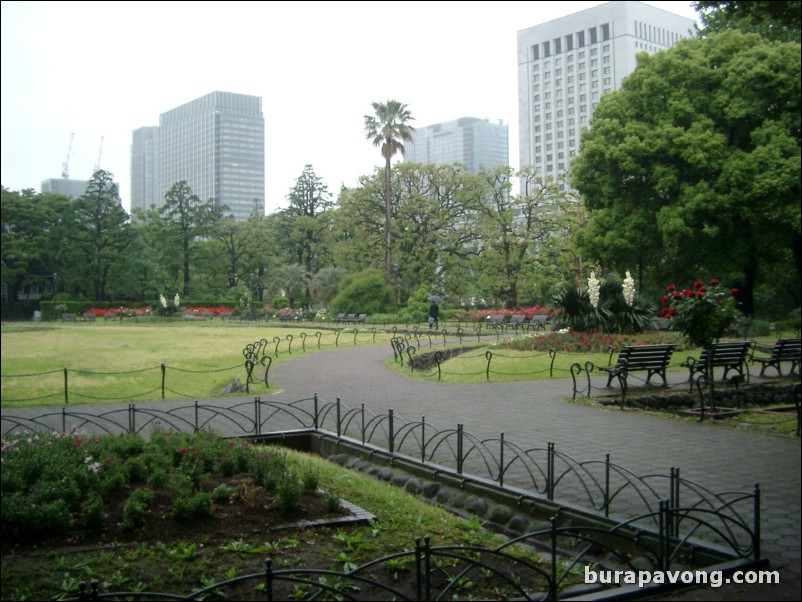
[[288, 494], [365, 292], [192, 508]]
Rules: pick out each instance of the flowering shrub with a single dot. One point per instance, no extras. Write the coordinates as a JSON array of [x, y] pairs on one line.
[[703, 314], [566, 341]]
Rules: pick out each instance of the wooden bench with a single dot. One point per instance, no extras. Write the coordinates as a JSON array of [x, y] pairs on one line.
[[538, 322], [729, 356], [784, 350], [652, 359]]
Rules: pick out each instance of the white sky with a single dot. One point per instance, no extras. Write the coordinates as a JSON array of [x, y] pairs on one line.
[[104, 69]]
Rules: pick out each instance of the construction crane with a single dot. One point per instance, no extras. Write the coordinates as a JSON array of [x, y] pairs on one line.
[[99, 154], [65, 167]]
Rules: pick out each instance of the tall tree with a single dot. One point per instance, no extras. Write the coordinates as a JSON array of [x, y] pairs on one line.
[[187, 220], [775, 20], [102, 229], [698, 156], [309, 200], [388, 129]]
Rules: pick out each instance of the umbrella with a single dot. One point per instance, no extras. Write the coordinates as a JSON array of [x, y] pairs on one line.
[[435, 298]]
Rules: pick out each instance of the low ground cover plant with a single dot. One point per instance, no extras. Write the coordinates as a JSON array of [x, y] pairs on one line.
[[181, 512]]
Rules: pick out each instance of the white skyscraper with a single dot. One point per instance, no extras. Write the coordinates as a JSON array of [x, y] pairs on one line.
[[566, 65], [470, 141]]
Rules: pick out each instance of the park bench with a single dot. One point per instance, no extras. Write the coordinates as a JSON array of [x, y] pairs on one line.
[[360, 319], [68, 317], [339, 318], [496, 320], [538, 322], [729, 356], [517, 321], [652, 359], [784, 350]]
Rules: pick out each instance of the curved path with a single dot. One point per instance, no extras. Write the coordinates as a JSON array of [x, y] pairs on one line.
[[533, 413], [536, 412]]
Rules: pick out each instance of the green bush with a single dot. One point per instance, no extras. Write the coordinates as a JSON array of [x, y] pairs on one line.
[[288, 494], [192, 508], [365, 292]]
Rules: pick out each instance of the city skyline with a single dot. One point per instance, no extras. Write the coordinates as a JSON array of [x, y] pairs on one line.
[[100, 72]]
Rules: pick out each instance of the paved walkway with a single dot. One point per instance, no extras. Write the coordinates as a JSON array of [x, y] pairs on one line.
[[534, 413]]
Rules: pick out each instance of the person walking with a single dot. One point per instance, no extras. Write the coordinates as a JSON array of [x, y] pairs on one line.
[[434, 315]]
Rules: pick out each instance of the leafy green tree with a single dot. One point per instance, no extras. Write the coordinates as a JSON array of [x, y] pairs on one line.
[[364, 292], [306, 218], [388, 129], [187, 221], [101, 230], [693, 166], [293, 278], [514, 228], [323, 285], [775, 20], [34, 232]]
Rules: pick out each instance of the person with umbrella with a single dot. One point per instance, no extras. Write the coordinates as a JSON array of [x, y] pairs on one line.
[[434, 311]]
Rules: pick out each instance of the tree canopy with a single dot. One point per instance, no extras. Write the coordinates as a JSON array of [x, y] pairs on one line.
[[694, 164]]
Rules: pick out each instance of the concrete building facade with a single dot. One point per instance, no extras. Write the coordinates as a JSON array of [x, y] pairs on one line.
[[471, 141], [566, 65]]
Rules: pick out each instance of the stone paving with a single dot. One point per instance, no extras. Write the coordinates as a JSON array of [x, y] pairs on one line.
[[534, 413]]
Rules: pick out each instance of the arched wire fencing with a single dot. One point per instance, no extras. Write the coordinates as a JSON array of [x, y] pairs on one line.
[[534, 473], [541, 565]]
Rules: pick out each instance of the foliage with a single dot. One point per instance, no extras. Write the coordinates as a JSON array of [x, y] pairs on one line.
[[365, 292], [388, 129], [694, 165], [606, 305], [583, 342], [775, 20], [417, 307], [703, 314]]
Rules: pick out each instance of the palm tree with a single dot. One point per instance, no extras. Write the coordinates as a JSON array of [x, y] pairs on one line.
[[388, 129]]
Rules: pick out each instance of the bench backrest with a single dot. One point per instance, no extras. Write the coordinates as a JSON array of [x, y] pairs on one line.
[[726, 354], [539, 319], [786, 349], [517, 319], [644, 357], [497, 319]]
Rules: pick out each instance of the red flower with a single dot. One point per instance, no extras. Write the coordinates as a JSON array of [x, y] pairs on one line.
[[698, 284], [701, 290], [672, 311], [714, 282], [664, 312], [699, 295], [671, 288], [665, 299], [734, 292]]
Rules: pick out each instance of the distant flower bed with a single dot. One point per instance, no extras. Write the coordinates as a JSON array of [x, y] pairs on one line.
[[146, 312], [583, 342], [482, 315]]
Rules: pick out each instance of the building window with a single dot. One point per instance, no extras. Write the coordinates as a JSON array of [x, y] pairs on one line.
[[557, 45], [569, 43], [546, 49], [592, 33], [580, 39], [605, 31]]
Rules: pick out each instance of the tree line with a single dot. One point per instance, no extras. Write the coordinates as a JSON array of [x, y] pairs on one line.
[[690, 170]]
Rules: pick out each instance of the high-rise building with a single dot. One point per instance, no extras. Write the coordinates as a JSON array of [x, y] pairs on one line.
[[65, 186], [566, 65], [144, 153], [470, 141], [215, 143]]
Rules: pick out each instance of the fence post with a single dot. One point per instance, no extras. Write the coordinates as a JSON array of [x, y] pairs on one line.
[[391, 434], [756, 519], [553, 568], [362, 418], [315, 408], [489, 356], [418, 570], [268, 579], [196, 416], [131, 419], [607, 485], [423, 438], [550, 471], [164, 372], [257, 415], [66, 396], [501, 461], [339, 431], [459, 449]]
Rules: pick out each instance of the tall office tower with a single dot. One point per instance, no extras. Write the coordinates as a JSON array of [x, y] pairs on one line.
[[65, 186], [215, 143], [566, 65], [471, 141], [144, 153]]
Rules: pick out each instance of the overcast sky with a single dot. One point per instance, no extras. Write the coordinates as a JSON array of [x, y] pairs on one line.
[[104, 69]]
